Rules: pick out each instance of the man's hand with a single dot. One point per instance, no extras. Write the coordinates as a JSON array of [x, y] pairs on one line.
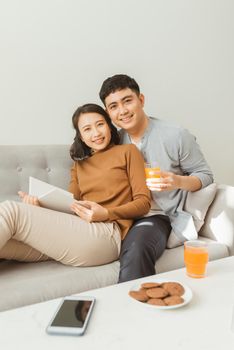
[[166, 182], [90, 211], [169, 181], [26, 198]]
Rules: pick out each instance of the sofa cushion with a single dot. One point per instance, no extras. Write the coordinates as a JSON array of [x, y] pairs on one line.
[[220, 218], [29, 283], [197, 204]]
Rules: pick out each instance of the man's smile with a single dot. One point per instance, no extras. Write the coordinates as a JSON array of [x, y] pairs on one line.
[[126, 119]]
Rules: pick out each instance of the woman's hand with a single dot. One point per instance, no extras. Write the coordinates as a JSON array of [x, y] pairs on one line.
[[166, 182], [26, 198], [90, 211]]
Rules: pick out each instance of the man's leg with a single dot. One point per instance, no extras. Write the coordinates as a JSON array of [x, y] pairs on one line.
[[143, 245]]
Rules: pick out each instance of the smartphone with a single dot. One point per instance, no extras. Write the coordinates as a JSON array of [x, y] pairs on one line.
[[72, 316]]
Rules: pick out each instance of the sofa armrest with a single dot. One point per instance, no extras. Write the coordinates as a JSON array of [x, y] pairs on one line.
[[219, 221]]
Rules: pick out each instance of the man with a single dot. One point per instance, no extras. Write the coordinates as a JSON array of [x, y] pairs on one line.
[[183, 169]]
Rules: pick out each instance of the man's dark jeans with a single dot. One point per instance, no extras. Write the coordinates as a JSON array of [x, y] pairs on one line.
[[143, 245]]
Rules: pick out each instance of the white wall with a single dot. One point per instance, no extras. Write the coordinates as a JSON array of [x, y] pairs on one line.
[[54, 55]]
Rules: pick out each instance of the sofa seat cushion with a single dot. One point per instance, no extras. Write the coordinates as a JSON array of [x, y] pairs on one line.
[[173, 259], [28, 283]]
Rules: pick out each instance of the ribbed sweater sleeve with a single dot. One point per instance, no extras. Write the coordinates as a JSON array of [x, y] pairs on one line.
[[74, 184]]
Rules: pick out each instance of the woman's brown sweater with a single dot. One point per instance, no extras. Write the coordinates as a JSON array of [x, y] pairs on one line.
[[115, 179]]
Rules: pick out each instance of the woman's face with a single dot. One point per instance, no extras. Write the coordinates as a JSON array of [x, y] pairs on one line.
[[94, 131]]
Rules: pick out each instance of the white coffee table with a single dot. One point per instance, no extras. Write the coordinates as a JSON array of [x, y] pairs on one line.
[[120, 323]]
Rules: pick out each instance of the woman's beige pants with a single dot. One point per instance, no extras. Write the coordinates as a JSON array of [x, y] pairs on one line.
[[30, 233]]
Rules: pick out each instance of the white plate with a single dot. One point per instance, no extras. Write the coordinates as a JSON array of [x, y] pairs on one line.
[[187, 296]]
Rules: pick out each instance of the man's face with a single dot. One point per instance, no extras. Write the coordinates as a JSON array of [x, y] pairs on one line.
[[125, 109]]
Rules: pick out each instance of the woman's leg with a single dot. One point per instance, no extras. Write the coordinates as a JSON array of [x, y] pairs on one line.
[[63, 237], [15, 250]]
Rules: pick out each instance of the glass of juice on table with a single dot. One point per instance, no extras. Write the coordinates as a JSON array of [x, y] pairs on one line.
[[195, 258], [152, 170]]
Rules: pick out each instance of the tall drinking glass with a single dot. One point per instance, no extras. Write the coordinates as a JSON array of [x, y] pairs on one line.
[[152, 170], [196, 258]]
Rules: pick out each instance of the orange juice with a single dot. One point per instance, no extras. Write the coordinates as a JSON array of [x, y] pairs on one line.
[[152, 172], [195, 258]]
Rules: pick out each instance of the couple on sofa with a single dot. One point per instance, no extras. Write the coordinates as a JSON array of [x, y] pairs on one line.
[[113, 217]]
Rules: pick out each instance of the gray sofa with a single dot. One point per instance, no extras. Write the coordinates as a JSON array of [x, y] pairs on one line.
[[27, 283]]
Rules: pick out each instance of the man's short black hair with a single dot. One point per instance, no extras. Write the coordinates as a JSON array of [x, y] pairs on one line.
[[117, 82]]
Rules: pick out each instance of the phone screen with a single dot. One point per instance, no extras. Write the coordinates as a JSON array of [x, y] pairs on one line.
[[72, 313]]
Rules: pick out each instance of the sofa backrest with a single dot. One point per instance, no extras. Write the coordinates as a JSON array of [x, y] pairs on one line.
[[50, 163]]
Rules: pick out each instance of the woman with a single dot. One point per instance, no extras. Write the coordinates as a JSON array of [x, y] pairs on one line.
[[107, 181]]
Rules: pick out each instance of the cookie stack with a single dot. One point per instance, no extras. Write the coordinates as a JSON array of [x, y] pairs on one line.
[[159, 294]]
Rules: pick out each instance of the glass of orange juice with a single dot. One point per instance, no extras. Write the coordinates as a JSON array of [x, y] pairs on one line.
[[152, 170], [196, 258]]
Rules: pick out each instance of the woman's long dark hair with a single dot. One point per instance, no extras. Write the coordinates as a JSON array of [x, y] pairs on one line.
[[79, 150]]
